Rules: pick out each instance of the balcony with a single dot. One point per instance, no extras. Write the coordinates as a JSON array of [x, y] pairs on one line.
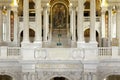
[[100, 53]]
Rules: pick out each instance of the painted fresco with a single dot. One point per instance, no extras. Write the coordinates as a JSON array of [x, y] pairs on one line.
[[59, 16]]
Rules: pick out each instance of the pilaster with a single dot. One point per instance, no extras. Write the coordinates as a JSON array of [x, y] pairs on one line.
[[109, 25], [38, 35], [45, 23], [118, 24], [8, 38], [1, 25], [92, 23], [103, 11], [15, 11], [80, 20], [73, 23], [25, 22]]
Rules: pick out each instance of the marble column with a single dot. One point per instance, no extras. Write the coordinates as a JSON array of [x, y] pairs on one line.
[[80, 21], [118, 24], [1, 26], [73, 23], [4, 27], [26, 21], [45, 24], [103, 22], [92, 21], [8, 29], [109, 26], [38, 34], [15, 25]]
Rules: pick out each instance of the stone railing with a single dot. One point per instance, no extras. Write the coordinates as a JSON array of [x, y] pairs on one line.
[[108, 53], [32, 19], [9, 52], [99, 53]]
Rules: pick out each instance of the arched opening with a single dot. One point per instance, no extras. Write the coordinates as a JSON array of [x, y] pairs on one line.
[[87, 35], [113, 77], [31, 35], [59, 28], [5, 77], [59, 78], [12, 25], [59, 16]]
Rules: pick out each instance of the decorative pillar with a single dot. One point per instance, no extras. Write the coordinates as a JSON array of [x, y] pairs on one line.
[[92, 21], [8, 32], [45, 24], [118, 24], [4, 27], [80, 20], [15, 25], [103, 11], [1, 26], [26, 21], [73, 23], [109, 26], [38, 35]]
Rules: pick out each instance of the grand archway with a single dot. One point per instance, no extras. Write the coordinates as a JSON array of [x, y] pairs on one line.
[[59, 78], [59, 28], [5, 77], [113, 77]]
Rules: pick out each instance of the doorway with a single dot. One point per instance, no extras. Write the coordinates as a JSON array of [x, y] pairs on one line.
[[59, 78], [5, 77]]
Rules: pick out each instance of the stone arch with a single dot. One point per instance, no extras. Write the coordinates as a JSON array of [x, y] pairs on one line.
[[87, 35], [109, 74], [5, 77], [57, 75], [59, 78], [31, 34], [63, 9], [12, 75]]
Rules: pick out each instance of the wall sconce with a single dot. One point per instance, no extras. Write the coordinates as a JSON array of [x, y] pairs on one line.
[[114, 10], [4, 10], [104, 3]]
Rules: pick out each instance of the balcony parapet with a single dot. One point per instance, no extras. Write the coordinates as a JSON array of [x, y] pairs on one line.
[[100, 53], [32, 19], [10, 52]]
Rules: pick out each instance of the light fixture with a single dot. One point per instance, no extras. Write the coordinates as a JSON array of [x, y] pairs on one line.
[[104, 3], [4, 10], [48, 4], [71, 4], [114, 9], [14, 3]]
